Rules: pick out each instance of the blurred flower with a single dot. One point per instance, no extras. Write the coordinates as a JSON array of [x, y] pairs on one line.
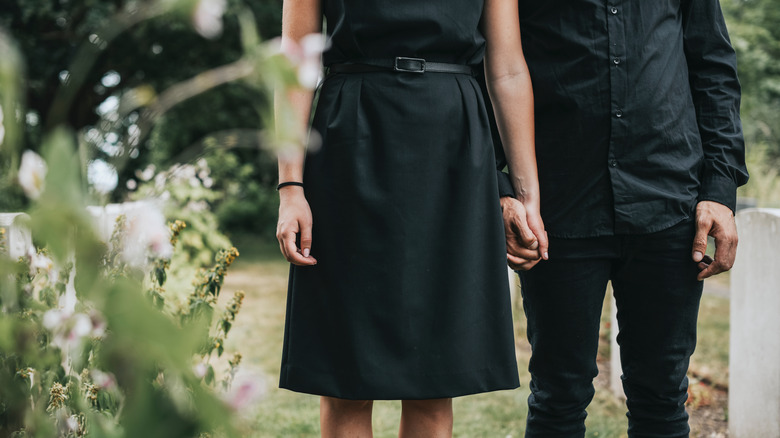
[[305, 56], [147, 235], [98, 324], [40, 262], [200, 370], [32, 174], [207, 17], [247, 388], [147, 173], [72, 423], [69, 329], [103, 380], [310, 68]]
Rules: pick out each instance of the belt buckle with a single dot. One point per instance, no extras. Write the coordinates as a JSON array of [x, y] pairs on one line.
[[409, 65]]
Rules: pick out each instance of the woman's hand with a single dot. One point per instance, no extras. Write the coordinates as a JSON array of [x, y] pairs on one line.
[[294, 219], [526, 239]]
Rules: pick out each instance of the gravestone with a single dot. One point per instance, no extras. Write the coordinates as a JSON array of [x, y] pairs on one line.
[[615, 369], [754, 358]]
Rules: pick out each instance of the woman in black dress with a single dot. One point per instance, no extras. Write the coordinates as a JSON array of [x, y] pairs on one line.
[[398, 285]]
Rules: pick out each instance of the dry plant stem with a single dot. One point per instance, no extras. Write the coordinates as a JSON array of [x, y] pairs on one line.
[[196, 85]]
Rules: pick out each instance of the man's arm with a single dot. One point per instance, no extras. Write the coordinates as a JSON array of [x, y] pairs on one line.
[[715, 90]]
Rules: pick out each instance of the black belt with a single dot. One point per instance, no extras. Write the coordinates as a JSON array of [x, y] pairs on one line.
[[400, 64]]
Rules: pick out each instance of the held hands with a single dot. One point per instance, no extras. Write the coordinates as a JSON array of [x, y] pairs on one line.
[[294, 218], [526, 239], [716, 220]]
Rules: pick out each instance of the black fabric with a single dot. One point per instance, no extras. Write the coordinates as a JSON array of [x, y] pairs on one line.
[[657, 296], [409, 299], [637, 112]]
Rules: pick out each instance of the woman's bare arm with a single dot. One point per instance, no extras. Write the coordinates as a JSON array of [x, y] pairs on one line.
[[509, 85], [299, 18]]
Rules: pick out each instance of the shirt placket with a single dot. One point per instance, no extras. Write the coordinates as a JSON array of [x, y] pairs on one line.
[[620, 117]]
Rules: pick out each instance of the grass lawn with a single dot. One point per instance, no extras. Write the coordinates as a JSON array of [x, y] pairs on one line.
[[262, 273]]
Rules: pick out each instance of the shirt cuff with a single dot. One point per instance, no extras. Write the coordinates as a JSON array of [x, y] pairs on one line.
[[504, 185], [719, 189]]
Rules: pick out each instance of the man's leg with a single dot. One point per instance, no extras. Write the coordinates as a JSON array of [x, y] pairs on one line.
[[657, 297], [562, 301]]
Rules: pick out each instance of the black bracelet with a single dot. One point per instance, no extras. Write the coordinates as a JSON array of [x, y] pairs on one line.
[[289, 183]]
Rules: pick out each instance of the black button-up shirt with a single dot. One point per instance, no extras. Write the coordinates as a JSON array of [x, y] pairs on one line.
[[637, 112]]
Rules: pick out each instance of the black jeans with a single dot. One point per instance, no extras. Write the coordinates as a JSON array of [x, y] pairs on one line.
[[657, 295]]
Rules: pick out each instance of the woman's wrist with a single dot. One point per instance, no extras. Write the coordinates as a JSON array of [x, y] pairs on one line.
[[291, 193]]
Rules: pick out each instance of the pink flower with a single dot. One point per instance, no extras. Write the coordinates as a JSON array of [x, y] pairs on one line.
[[68, 329], [103, 380], [147, 235], [246, 389]]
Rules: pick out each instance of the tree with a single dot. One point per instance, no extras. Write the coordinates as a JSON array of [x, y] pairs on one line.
[[754, 27], [149, 57]]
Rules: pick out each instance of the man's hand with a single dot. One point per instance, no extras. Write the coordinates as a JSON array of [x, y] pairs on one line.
[[526, 240], [716, 220]]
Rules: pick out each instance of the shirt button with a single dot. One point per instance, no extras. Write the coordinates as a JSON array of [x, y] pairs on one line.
[[612, 163], [619, 113], [616, 61], [613, 10]]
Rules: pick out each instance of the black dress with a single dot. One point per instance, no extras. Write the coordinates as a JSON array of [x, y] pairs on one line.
[[409, 299]]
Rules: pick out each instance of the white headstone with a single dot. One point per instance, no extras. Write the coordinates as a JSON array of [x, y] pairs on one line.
[[17, 233], [754, 367], [514, 285], [105, 216], [615, 369]]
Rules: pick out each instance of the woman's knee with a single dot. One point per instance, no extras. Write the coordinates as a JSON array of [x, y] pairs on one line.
[[344, 406], [434, 408]]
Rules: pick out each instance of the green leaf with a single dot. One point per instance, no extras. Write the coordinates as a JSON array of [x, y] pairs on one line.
[[210, 375]]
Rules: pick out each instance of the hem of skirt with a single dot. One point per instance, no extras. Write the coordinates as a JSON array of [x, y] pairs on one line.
[[328, 385]]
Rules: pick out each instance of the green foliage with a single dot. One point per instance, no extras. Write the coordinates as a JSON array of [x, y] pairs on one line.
[[754, 27], [155, 55], [187, 192], [90, 342], [11, 130], [109, 363], [246, 181]]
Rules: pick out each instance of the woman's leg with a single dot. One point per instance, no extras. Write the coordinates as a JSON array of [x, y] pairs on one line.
[[345, 418], [426, 418]]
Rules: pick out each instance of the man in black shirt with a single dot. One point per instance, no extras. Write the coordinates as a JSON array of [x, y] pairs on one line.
[[640, 152]]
